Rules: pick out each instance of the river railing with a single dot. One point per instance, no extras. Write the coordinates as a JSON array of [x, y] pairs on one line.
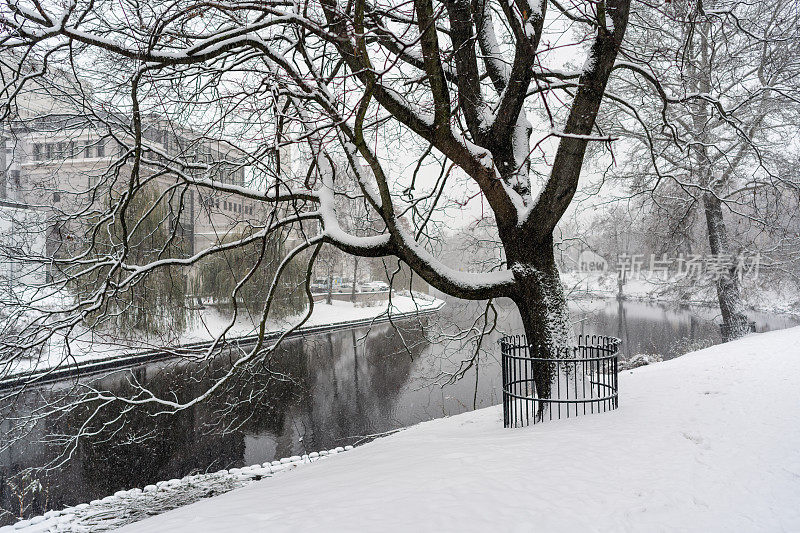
[[539, 385]]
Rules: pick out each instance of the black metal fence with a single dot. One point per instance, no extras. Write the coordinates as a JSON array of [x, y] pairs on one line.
[[574, 381]]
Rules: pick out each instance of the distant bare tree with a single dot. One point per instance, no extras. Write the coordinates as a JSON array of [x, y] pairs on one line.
[[716, 118]]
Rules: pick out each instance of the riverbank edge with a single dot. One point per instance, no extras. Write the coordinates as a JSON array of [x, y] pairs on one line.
[[756, 297], [94, 366], [128, 506], [610, 295]]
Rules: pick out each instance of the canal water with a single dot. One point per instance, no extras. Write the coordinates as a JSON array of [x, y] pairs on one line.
[[315, 393]]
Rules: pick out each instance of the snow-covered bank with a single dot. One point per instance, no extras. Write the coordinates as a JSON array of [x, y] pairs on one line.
[[95, 351], [706, 442], [127, 506], [212, 324], [769, 299]]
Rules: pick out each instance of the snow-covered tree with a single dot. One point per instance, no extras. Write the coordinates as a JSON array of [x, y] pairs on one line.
[[475, 88]]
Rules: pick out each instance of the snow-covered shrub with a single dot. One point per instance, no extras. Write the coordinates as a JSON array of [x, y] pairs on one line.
[[640, 359]]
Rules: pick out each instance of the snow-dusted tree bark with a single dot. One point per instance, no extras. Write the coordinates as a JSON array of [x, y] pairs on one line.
[[734, 320], [458, 84]]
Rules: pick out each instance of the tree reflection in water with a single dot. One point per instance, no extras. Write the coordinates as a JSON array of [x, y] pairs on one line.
[[313, 393]]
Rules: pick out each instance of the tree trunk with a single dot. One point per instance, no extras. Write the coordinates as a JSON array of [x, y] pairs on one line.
[[543, 308], [329, 298], [735, 323], [355, 278]]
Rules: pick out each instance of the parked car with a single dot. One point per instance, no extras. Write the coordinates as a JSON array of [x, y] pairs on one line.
[[374, 286], [365, 287], [319, 287]]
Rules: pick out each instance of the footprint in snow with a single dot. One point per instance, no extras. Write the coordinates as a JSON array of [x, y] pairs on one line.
[[694, 438]]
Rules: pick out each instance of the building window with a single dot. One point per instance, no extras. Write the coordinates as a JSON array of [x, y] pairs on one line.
[[56, 197], [101, 148], [37, 152]]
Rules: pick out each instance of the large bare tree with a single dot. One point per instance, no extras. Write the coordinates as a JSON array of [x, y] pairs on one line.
[[476, 87]]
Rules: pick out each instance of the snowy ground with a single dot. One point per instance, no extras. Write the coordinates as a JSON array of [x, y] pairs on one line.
[[706, 442], [211, 323], [207, 325]]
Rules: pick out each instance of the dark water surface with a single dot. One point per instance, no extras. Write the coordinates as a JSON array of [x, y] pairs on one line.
[[319, 392]]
